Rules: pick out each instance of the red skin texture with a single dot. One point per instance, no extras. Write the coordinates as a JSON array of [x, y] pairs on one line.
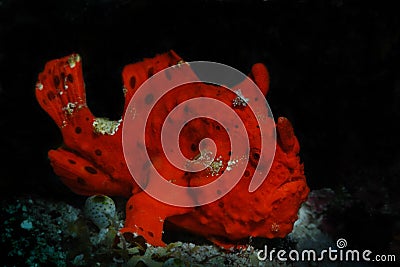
[[93, 163]]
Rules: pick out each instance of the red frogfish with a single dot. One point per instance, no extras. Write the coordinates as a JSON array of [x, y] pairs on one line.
[[91, 160]]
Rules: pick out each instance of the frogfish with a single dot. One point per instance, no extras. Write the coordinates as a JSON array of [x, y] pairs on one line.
[[91, 159]]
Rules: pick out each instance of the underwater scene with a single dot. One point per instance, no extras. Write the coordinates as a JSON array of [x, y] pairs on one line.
[[199, 133]]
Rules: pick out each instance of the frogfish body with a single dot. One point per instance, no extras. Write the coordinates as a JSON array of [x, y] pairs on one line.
[[91, 160]]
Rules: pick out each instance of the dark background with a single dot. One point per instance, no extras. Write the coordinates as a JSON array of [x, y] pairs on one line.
[[334, 66]]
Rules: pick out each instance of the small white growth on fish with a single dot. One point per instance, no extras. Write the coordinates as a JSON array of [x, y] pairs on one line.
[[132, 112], [69, 108], [124, 90], [261, 116], [39, 86], [204, 159], [215, 166], [231, 163], [65, 83], [180, 64], [275, 227], [105, 126], [72, 60], [240, 100]]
